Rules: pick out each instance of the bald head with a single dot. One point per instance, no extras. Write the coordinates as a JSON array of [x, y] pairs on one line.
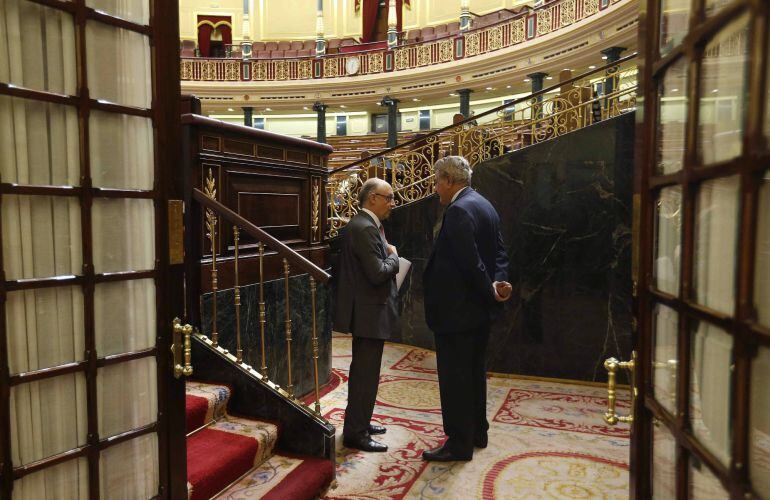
[[376, 195]]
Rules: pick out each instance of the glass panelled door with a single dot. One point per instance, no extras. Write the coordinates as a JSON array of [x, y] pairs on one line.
[[85, 319], [702, 426]]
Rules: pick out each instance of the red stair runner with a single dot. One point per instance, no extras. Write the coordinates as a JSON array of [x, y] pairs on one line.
[[231, 447]]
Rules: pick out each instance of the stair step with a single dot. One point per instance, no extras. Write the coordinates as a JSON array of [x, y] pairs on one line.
[[205, 403], [223, 452], [283, 477]]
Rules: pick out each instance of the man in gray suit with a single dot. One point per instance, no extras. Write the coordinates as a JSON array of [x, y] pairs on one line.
[[366, 307]]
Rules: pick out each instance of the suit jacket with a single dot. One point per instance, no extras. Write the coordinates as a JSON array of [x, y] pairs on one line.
[[366, 282], [468, 256]]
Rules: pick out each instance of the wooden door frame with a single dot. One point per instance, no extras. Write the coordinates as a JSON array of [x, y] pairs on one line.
[[163, 34], [742, 325]]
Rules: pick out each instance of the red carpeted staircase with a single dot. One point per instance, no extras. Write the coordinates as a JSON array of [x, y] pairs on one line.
[[225, 452]]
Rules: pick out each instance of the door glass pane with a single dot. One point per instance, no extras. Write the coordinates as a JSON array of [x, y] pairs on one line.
[[668, 239], [137, 11], [672, 114], [123, 235], [723, 93], [128, 396], [67, 480], [716, 241], [759, 438], [664, 361], [130, 327], [41, 236], [48, 417], [130, 469], [714, 6], [663, 463], [704, 485], [762, 267], [121, 151], [38, 47], [118, 65], [44, 328], [674, 19], [39, 143], [710, 395]]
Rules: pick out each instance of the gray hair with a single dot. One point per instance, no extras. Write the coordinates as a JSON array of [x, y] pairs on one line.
[[454, 168], [368, 188]]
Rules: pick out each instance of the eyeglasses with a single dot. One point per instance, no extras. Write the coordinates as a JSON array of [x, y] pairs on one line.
[[388, 197]]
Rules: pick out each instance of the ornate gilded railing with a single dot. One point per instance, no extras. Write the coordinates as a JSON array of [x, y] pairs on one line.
[[552, 112], [216, 216], [527, 25]]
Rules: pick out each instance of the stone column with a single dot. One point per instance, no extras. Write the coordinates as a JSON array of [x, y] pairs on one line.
[[320, 109], [612, 54], [248, 116], [465, 102], [246, 34], [537, 86], [392, 24], [465, 15], [320, 41], [392, 105]]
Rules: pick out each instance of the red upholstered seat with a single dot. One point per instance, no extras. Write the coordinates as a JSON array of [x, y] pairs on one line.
[[271, 46], [308, 44], [429, 37], [276, 54], [412, 36], [257, 46], [263, 54], [347, 42], [428, 30], [284, 45], [304, 53], [453, 28], [289, 53], [296, 45], [440, 30]]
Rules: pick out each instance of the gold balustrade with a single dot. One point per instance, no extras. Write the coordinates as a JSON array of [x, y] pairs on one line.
[[563, 108], [549, 18], [214, 211]]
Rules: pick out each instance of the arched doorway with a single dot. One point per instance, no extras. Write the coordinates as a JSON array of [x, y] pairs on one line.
[[214, 34]]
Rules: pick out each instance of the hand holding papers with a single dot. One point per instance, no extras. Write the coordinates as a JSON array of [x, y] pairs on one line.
[[403, 268]]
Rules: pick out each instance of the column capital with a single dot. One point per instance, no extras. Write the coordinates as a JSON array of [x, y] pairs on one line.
[[319, 106], [613, 53], [464, 91], [389, 101], [539, 75]]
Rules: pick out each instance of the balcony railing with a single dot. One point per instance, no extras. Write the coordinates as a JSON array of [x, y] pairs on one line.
[[549, 113], [526, 26]]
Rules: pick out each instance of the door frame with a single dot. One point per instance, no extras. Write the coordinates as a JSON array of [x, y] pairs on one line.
[[742, 325]]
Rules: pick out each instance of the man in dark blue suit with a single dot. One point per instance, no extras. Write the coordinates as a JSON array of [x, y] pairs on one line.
[[464, 281]]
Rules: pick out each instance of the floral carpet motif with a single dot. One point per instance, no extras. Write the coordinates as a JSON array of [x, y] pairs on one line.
[[547, 440]]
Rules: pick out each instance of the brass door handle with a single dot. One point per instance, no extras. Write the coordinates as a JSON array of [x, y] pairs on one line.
[[182, 349], [612, 365]]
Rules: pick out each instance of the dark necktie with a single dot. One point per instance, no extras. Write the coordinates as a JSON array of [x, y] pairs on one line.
[[382, 233]]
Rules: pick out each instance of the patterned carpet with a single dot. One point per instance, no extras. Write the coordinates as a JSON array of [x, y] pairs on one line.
[[546, 440]]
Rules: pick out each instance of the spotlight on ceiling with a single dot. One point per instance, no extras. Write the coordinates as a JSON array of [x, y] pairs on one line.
[[592, 67], [268, 109], [230, 109]]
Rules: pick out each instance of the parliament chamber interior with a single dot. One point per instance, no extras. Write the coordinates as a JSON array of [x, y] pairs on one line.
[[180, 187]]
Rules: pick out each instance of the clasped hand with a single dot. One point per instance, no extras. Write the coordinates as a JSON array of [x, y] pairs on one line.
[[502, 290]]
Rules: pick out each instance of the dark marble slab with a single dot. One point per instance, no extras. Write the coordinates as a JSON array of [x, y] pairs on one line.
[[275, 329], [566, 211]]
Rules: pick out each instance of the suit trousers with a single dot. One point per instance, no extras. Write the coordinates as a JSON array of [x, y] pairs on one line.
[[364, 380], [462, 379]]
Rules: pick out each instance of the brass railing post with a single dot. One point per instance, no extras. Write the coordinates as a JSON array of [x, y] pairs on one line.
[[315, 346], [211, 226], [237, 290], [289, 386], [262, 319]]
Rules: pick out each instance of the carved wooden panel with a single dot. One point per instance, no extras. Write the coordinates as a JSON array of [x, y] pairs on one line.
[[210, 143], [270, 152], [239, 147]]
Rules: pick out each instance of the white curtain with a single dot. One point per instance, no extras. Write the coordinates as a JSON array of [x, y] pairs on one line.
[[710, 395], [42, 237], [668, 220], [716, 243]]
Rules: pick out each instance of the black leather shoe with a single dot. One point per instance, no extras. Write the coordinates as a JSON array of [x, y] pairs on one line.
[[481, 442], [445, 455], [376, 429], [364, 443]]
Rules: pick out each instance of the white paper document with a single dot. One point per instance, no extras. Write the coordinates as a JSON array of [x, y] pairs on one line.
[[403, 268]]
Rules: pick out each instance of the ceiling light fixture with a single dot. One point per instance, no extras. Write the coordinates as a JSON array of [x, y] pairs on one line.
[[415, 99], [507, 86], [526, 80], [592, 67], [305, 108], [268, 109], [453, 94], [230, 109], [549, 78], [604, 57], [489, 88]]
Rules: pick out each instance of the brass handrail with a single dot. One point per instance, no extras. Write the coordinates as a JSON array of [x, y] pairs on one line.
[[488, 112], [280, 248]]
